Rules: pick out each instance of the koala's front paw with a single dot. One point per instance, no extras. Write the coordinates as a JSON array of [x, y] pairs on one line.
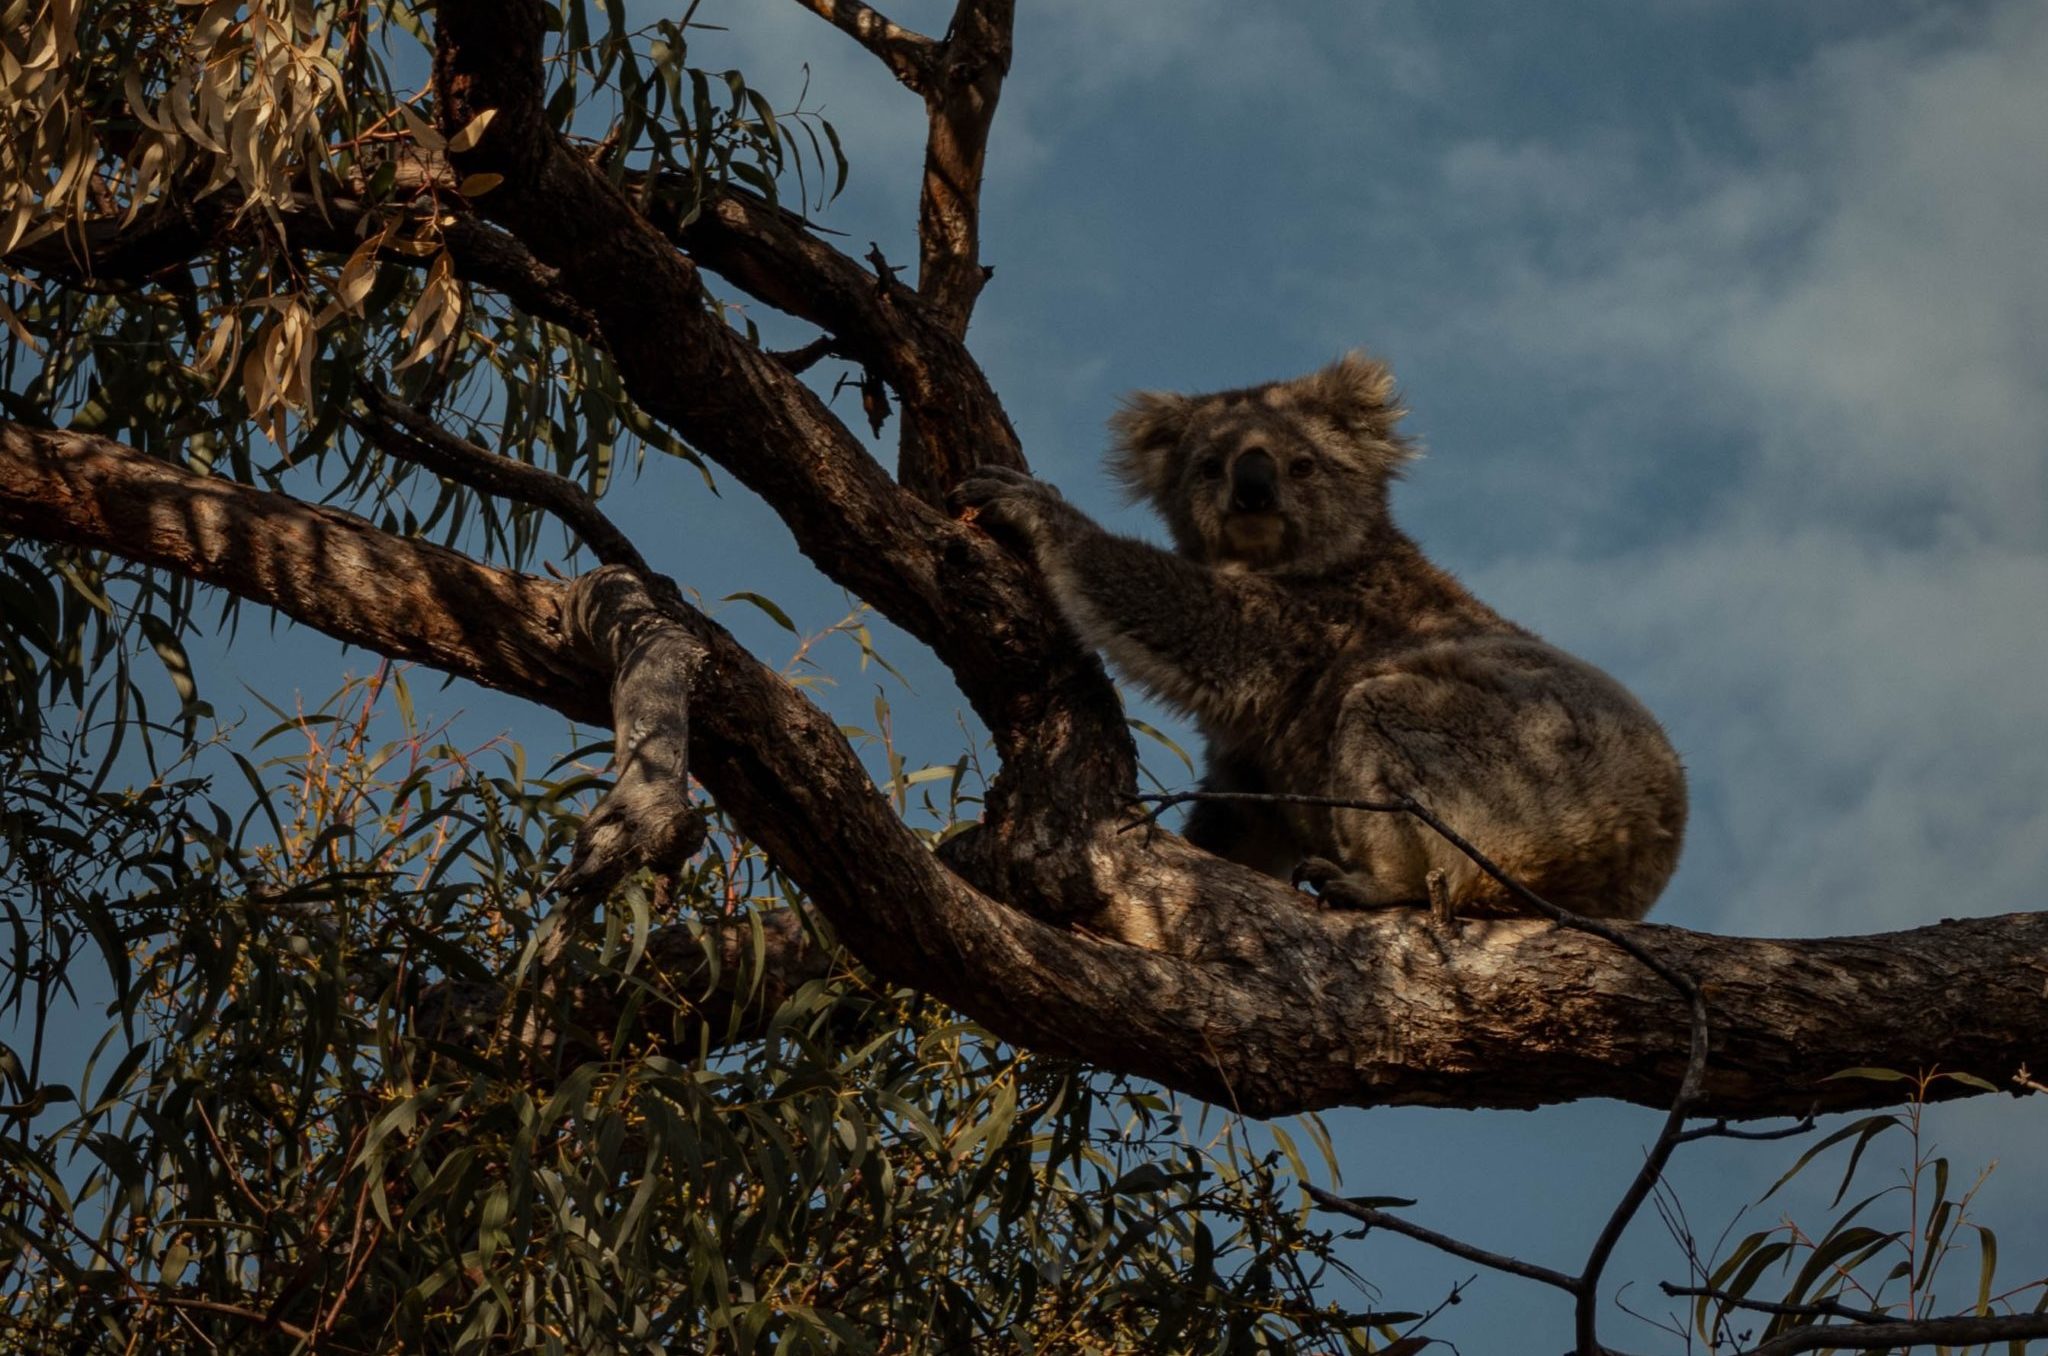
[[1008, 504]]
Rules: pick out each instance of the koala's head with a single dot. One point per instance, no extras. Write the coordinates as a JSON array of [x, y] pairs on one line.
[[1291, 474]]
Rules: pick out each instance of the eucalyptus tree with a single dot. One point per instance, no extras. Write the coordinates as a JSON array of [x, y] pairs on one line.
[[319, 310]]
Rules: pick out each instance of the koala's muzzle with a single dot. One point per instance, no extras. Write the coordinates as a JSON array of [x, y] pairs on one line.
[[1254, 482]]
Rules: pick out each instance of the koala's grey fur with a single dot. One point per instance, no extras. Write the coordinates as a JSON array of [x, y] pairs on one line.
[[1322, 654]]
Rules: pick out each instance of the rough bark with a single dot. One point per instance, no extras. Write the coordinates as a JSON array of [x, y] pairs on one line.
[[646, 818], [961, 101], [1046, 701], [1212, 979]]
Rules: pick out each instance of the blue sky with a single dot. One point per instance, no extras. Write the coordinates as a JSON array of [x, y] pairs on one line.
[[1723, 326]]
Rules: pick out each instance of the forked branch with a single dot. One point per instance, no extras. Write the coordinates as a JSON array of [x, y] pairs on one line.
[[961, 80]]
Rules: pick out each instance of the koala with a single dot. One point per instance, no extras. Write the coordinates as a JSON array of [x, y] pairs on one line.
[[1320, 653]]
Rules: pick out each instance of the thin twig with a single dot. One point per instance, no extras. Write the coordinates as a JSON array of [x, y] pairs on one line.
[[1585, 1287], [1720, 1129], [404, 432], [227, 1161], [1814, 1308], [1457, 1296], [1373, 1218], [797, 361], [1957, 1330], [291, 1330]]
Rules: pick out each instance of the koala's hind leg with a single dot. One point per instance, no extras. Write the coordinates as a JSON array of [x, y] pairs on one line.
[[1342, 887]]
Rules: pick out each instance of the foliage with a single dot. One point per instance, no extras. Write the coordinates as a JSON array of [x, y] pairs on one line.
[[262, 1144], [1894, 1251], [266, 1148], [297, 139]]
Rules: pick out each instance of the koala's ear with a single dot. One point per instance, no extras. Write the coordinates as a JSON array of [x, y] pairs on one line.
[[1357, 394], [1144, 434]]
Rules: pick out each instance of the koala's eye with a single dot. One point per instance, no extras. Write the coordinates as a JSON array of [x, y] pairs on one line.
[[1301, 468], [1211, 468]]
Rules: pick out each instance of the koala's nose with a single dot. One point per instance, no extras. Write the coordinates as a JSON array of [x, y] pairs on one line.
[[1254, 482]]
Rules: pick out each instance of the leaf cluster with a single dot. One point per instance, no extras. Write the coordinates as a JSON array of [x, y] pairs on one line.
[[265, 1149], [1889, 1255]]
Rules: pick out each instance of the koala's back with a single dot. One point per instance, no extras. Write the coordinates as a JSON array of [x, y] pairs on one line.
[[1542, 761], [1323, 654]]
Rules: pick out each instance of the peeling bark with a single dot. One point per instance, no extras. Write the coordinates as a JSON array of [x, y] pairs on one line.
[[645, 819]]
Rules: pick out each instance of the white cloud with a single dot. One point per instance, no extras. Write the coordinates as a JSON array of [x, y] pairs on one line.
[[1852, 640], [1863, 726]]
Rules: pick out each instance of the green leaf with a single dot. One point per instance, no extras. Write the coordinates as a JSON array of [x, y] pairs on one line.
[[1987, 1266], [1863, 1131], [767, 605]]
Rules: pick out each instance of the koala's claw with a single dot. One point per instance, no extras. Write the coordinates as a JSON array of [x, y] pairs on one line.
[[985, 484], [1315, 871], [1340, 887]]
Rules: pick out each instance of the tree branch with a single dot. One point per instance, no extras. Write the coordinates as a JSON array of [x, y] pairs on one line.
[[1044, 697], [408, 434], [1868, 1329], [1822, 1308], [961, 103], [908, 55], [1962, 1330], [951, 415], [114, 254], [952, 418], [961, 80], [646, 818], [1374, 1218], [1201, 975], [330, 569]]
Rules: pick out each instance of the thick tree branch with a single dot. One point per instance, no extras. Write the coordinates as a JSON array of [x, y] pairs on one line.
[[114, 254], [961, 80], [961, 103], [1207, 977], [952, 418], [332, 570], [1044, 698], [1908, 1335], [951, 414], [908, 55]]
